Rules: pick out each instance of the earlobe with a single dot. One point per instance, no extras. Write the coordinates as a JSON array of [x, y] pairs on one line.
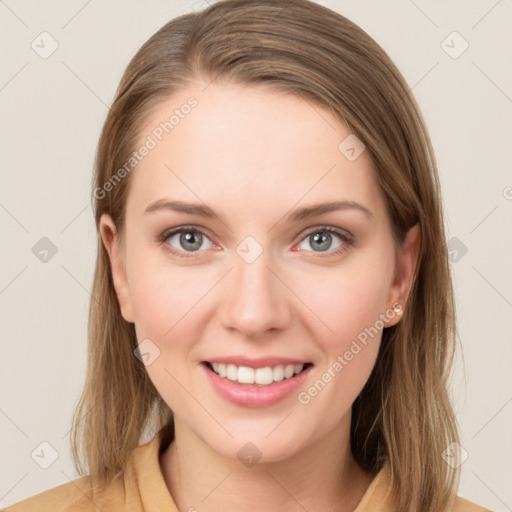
[[108, 232], [406, 264]]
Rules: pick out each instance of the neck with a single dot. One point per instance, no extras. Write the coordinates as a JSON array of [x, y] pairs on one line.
[[323, 476]]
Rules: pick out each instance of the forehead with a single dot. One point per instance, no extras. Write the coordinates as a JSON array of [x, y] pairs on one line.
[[247, 145]]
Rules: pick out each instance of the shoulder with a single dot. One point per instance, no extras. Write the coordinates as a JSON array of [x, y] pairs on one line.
[[380, 496], [75, 496], [65, 497], [464, 505], [139, 486]]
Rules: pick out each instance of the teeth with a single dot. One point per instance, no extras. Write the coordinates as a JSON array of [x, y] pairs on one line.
[[289, 371], [231, 372], [278, 373], [245, 375], [261, 376], [264, 376]]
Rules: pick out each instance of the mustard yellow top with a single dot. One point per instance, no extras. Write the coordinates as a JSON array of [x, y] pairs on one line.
[[143, 489]]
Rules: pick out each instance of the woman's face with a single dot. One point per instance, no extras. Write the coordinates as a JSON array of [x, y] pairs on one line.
[[259, 283]]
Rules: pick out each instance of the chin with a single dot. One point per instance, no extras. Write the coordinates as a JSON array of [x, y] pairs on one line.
[[250, 446]]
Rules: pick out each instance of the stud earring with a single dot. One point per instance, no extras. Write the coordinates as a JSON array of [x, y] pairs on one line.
[[398, 309]]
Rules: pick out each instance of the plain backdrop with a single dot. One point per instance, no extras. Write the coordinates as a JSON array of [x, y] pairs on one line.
[[52, 110]]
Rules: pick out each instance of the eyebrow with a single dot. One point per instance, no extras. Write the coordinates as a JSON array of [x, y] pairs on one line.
[[299, 214]]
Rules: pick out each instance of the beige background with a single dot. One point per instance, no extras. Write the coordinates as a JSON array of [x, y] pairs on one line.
[[52, 112]]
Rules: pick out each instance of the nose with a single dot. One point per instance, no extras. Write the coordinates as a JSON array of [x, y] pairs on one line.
[[254, 300]]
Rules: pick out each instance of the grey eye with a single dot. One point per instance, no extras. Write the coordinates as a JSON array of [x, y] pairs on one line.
[[189, 240], [321, 240]]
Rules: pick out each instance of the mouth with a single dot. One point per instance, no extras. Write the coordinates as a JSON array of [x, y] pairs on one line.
[[260, 376]]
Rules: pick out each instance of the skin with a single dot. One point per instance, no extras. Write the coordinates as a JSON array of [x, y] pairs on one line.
[[252, 155]]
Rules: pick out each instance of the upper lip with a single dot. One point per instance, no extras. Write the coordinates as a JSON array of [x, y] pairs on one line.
[[260, 362]]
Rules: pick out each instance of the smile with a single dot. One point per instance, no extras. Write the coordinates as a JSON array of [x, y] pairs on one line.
[[255, 383], [263, 376]]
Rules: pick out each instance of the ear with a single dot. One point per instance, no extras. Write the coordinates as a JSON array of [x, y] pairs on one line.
[[110, 239], [405, 268]]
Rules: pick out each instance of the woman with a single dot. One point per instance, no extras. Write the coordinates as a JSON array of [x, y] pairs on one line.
[[268, 372]]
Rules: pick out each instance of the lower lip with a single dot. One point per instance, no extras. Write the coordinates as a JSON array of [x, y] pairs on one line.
[[252, 395]]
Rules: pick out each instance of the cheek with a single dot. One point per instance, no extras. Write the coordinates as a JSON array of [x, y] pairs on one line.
[[162, 294], [169, 307], [350, 346], [166, 305], [347, 327], [339, 307], [341, 302], [348, 301]]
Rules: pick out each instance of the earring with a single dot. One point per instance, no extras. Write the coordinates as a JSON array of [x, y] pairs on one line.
[[398, 309]]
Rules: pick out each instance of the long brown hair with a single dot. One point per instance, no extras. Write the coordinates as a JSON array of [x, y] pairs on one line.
[[403, 415]]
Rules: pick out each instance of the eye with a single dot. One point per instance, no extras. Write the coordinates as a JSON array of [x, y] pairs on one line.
[[321, 239], [185, 239]]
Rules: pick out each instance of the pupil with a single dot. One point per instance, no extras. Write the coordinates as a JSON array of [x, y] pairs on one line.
[[194, 240], [325, 240]]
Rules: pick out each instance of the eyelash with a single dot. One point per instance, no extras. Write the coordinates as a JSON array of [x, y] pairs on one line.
[[347, 240]]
